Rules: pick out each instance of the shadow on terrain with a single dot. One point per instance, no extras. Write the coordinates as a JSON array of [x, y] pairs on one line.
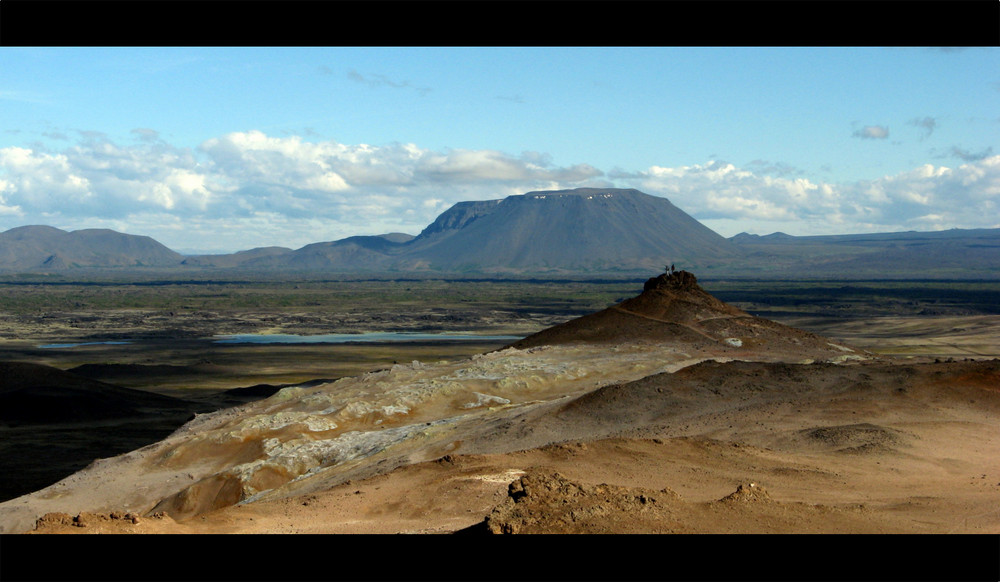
[[54, 423]]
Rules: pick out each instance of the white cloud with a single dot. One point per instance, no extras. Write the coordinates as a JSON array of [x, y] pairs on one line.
[[733, 199], [290, 163], [318, 191], [872, 132], [493, 166], [719, 189], [48, 182], [249, 189]]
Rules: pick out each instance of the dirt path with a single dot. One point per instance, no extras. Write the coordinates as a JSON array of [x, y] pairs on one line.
[[684, 325]]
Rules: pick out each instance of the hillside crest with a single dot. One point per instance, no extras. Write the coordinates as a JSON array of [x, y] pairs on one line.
[[673, 281], [673, 309]]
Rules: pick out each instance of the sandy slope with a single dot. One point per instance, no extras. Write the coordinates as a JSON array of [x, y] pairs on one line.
[[842, 461], [660, 434]]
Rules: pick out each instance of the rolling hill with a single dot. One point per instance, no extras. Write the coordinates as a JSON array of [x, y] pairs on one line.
[[959, 253], [29, 248]]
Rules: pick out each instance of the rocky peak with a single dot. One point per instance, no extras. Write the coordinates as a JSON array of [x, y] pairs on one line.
[[672, 280]]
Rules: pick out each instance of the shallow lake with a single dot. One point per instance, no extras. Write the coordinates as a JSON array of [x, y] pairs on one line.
[[340, 338], [332, 338], [60, 346]]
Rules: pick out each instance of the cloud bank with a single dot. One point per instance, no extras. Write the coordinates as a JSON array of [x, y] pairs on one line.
[[249, 189], [730, 199]]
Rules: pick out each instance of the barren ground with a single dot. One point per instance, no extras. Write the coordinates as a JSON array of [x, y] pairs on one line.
[[835, 462], [903, 441]]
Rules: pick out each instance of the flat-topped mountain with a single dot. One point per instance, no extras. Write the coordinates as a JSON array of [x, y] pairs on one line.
[[586, 229]]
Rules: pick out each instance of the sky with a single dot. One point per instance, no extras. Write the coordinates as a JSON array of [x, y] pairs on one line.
[[220, 149]]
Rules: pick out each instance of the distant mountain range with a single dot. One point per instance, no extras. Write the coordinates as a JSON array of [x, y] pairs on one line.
[[32, 248], [955, 253], [556, 232], [581, 232]]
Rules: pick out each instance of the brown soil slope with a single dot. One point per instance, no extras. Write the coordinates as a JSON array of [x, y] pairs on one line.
[[737, 447], [674, 308]]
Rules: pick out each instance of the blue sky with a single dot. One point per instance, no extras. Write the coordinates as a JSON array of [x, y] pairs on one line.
[[216, 149]]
